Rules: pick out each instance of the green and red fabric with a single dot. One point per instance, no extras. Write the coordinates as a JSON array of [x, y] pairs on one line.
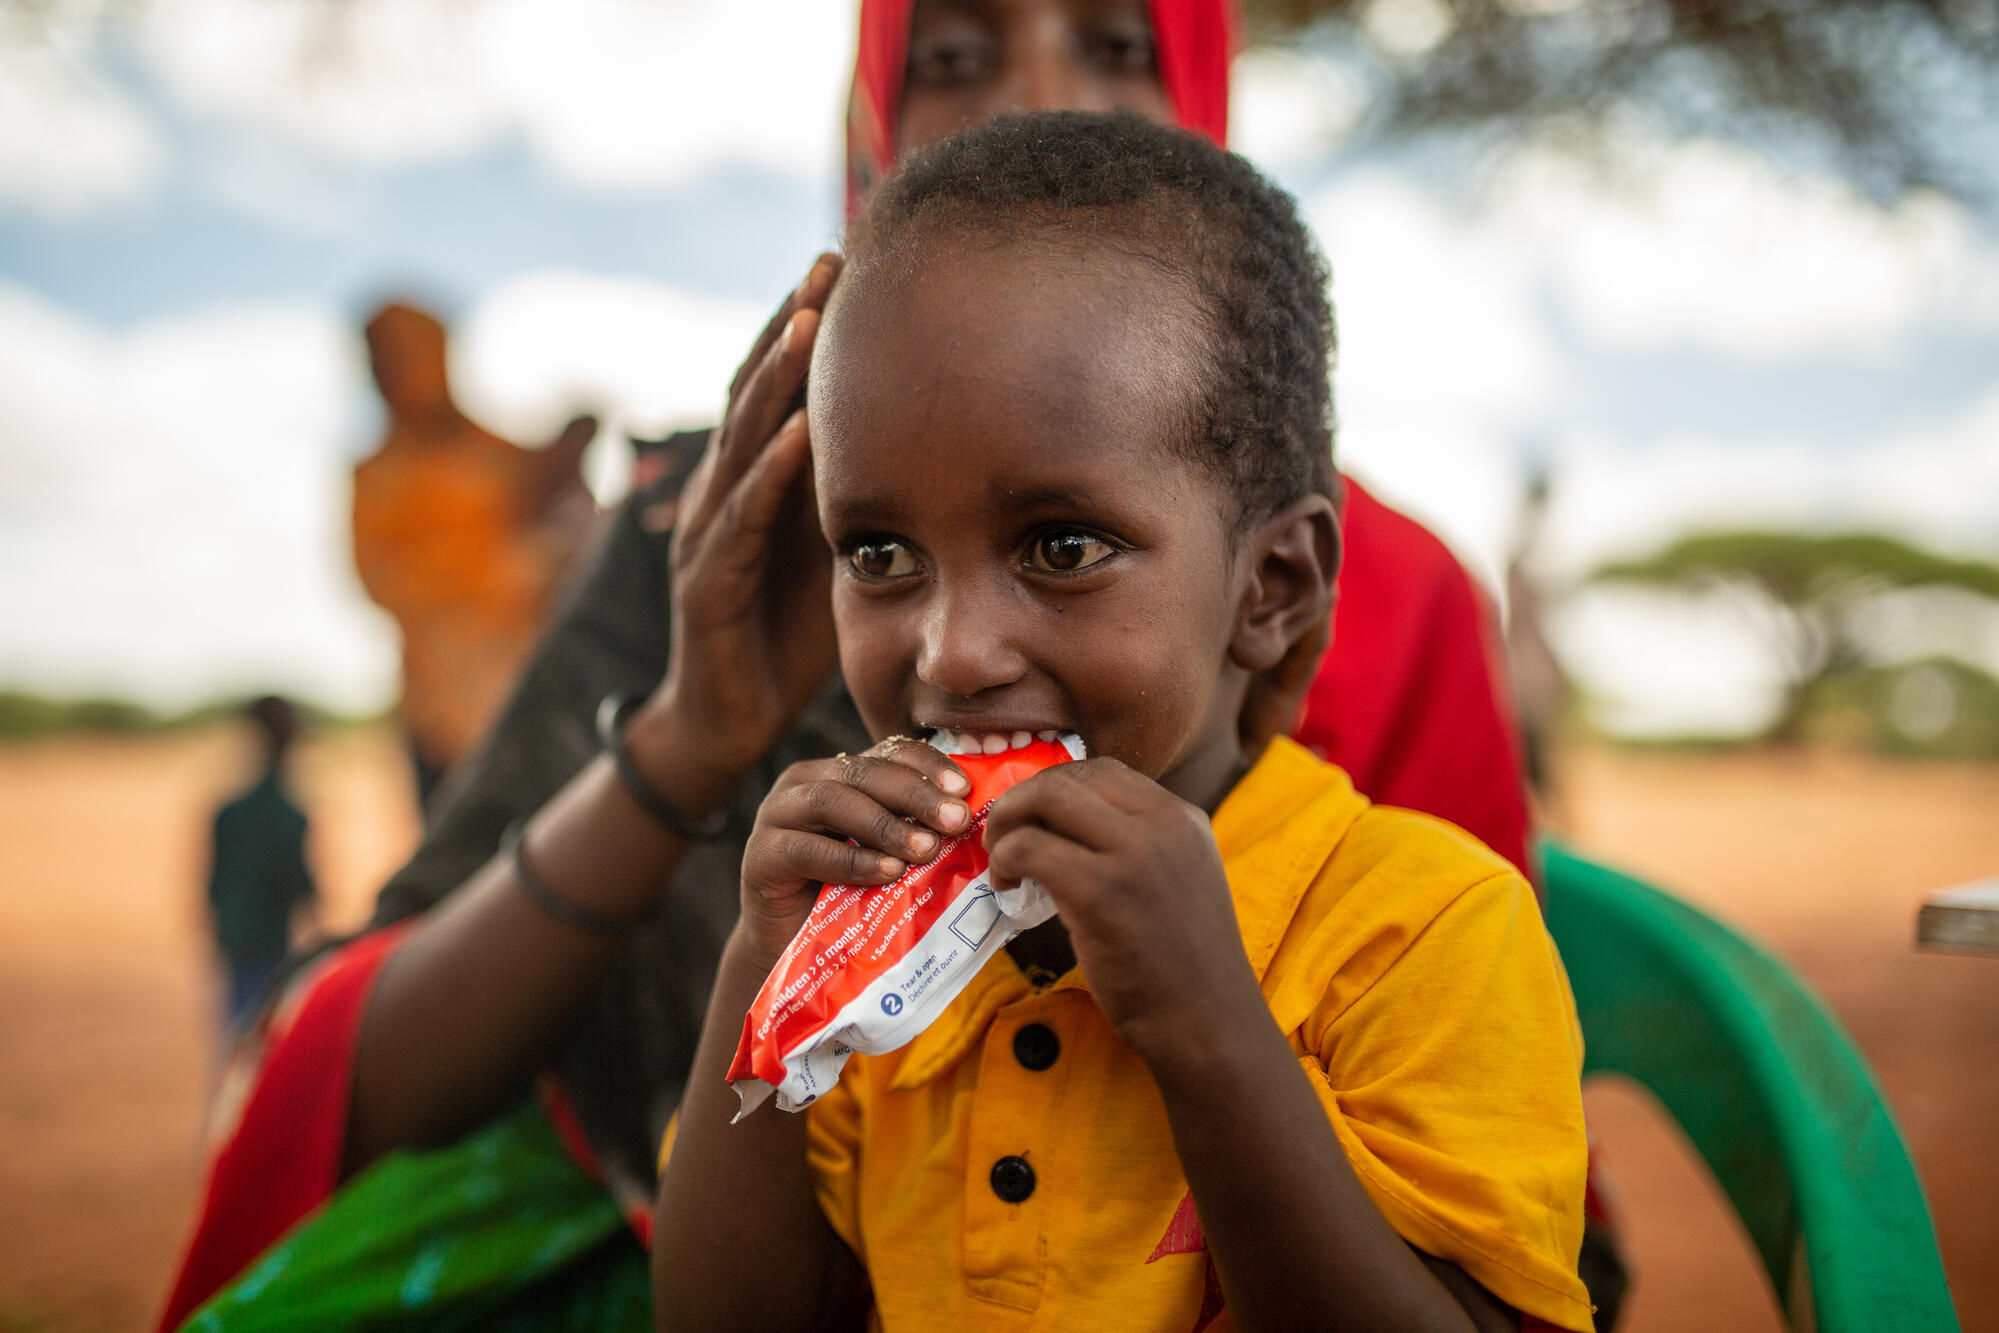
[[282, 1117], [500, 1230]]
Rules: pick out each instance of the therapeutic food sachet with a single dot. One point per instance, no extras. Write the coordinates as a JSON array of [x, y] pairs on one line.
[[872, 967]]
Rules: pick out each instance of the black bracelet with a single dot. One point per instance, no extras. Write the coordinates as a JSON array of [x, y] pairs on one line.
[[611, 715], [538, 893]]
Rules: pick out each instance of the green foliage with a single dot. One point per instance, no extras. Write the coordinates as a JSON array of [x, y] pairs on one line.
[[1897, 95], [1813, 593], [1935, 707], [1797, 568], [25, 716]]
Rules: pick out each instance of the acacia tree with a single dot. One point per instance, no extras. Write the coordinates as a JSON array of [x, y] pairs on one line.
[[1895, 94], [1809, 594]]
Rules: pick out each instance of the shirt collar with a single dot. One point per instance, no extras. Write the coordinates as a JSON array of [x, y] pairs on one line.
[[1275, 832]]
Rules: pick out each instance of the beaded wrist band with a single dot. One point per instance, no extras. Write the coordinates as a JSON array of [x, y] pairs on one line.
[[611, 716], [553, 903]]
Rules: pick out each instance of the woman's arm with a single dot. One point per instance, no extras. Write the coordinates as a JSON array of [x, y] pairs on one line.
[[473, 1002]]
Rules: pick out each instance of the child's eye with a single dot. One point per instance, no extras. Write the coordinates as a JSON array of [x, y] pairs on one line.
[[1066, 552], [882, 559]]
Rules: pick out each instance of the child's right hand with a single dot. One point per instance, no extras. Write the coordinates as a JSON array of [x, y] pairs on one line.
[[801, 838]]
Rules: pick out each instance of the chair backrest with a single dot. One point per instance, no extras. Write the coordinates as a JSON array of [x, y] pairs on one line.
[[1769, 1089]]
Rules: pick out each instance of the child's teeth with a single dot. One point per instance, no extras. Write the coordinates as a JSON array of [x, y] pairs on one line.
[[1020, 738], [994, 744], [1045, 735]]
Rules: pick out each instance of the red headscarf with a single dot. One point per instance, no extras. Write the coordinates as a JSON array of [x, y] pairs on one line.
[[1195, 40]]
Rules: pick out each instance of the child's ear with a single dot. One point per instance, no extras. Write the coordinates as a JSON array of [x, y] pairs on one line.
[[1294, 558]]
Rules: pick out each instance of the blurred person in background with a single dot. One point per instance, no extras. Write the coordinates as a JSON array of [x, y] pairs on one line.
[[258, 883], [462, 537], [1541, 687], [528, 1000]]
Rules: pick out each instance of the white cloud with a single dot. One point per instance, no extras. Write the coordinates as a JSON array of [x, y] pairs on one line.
[[263, 177], [174, 500], [1660, 665], [1932, 484], [69, 141], [1706, 245], [646, 92], [1407, 27], [128, 463], [1288, 109], [644, 357], [1450, 366], [1939, 482], [609, 93], [175, 508], [381, 80], [1449, 369], [1444, 361]]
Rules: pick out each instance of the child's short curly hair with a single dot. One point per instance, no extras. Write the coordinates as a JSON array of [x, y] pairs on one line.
[[1177, 201]]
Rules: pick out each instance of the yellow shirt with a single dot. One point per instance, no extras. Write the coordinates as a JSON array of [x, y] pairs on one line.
[[1411, 971]]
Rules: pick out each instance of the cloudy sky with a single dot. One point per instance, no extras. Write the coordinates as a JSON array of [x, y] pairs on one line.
[[200, 198]]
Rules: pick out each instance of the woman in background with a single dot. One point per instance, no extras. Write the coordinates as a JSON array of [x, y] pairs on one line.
[[463, 537]]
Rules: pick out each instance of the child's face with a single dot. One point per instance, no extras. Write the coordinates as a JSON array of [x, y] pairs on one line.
[[1018, 544]]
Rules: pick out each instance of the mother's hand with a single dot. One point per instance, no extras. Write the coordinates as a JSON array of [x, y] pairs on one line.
[[752, 626]]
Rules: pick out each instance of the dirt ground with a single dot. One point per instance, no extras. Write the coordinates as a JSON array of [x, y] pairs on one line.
[[107, 1029]]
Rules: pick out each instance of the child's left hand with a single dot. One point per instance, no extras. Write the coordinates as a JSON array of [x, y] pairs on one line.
[[1138, 880]]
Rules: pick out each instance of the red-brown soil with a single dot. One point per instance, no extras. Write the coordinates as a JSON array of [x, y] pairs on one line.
[[1825, 858], [107, 999]]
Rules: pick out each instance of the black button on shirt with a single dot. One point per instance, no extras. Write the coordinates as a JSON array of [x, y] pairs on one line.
[[1036, 1046], [1013, 1179]]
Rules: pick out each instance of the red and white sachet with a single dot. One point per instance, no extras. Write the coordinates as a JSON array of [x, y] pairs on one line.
[[872, 967]]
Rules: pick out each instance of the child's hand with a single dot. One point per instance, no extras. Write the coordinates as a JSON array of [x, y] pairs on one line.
[[1135, 873], [801, 836]]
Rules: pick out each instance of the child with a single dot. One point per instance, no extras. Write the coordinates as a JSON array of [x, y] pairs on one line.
[[1309, 1062], [257, 876]]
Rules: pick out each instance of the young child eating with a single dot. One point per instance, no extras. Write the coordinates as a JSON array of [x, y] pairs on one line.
[[1283, 1060]]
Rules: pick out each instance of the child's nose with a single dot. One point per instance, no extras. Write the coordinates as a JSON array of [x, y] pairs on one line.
[[967, 648]]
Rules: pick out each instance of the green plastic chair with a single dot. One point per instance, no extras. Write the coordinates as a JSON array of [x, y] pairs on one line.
[[1767, 1086]]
